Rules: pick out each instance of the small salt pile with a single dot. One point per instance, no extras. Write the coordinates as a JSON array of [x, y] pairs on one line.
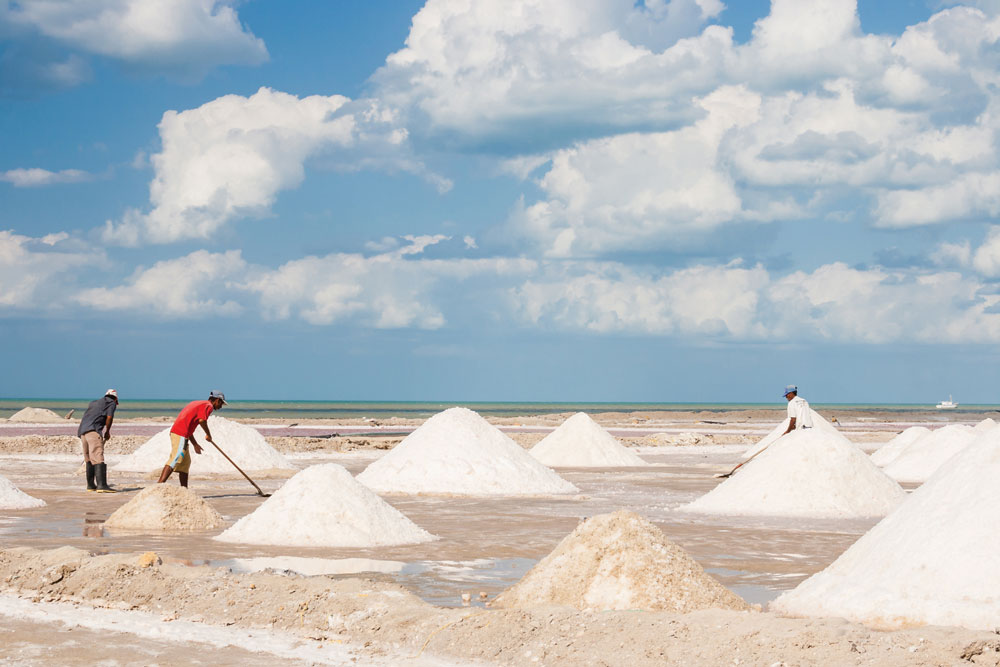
[[459, 452], [165, 507], [985, 425], [619, 561], [932, 561], [243, 444], [36, 416], [777, 431], [918, 462], [581, 442], [323, 506], [806, 473], [13, 498], [888, 452]]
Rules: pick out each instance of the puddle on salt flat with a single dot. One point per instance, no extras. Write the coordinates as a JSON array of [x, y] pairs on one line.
[[309, 566]]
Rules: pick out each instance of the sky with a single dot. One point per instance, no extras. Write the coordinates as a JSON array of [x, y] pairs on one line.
[[504, 200]]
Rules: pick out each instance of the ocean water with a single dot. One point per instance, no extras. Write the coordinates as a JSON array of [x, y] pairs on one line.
[[424, 409]]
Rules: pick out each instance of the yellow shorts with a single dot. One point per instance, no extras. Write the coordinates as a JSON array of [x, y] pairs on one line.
[[180, 458]]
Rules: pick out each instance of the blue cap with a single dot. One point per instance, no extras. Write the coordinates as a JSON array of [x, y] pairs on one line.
[[219, 395], [789, 389]]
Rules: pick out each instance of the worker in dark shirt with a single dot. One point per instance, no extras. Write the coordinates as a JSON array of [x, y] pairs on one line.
[[94, 431]]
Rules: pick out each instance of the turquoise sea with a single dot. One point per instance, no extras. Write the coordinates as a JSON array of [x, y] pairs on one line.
[[423, 409]]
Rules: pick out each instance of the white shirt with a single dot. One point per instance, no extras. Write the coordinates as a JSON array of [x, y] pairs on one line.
[[799, 408]]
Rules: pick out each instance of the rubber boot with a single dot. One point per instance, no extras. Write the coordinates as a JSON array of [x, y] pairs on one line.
[[90, 477], [101, 472]]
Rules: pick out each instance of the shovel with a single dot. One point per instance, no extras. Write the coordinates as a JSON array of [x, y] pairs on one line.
[[259, 492], [723, 475]]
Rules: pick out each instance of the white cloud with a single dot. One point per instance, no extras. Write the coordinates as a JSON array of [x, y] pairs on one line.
[[190, 286], [230, 157], [952, 254], [35, 177], [986, 259], [182, 37], [36, 276]]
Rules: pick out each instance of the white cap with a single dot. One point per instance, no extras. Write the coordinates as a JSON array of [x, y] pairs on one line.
[[111, 392]]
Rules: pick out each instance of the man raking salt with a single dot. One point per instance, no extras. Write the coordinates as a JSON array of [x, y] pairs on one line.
[[193, 415], [799, 417]]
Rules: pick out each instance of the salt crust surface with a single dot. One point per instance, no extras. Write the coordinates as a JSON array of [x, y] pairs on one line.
[[818, 423], [36, 416], [925, 455], [13, 498], [890, 450], [458, 452], [243, 444], [806, 473], [581, 442], [165, 507], [619, 561], [323, 506], [933, 560]]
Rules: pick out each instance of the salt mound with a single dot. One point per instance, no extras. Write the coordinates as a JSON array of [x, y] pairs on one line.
[[818, 423], [918, 462], [619, 561], [459, 452], [984, 425], [890, 450], [13, 498], [36, 416], [323, 506], [806, 473], [581, 442], [165, 507], [243, 444], [933, 560]]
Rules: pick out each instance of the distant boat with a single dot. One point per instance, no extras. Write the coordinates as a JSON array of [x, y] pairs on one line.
[[947, 405]]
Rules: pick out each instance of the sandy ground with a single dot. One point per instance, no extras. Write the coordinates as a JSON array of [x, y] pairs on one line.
[[60, 569]]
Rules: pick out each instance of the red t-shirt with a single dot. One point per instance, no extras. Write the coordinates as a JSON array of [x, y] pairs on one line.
[[189, 417]]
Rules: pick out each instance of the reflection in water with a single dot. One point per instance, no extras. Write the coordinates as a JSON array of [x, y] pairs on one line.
[[93, 525]]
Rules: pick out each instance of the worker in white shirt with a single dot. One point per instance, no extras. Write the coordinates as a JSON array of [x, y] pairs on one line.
[[799, 414]]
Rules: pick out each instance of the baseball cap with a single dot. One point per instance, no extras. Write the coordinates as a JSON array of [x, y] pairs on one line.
[[111, 392], [789, 389], [219, 395]]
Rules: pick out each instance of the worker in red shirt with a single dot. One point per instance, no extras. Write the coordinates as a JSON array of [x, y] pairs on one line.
[[193, 415]]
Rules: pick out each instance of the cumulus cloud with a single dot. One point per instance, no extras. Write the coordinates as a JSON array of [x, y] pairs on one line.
[[986, 259], [35, 177], [185, 38], [230, 157], [833, 303], [36, 274], [190, 286]]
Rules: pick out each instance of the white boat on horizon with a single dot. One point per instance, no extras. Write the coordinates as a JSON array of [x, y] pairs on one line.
[[947, 405]]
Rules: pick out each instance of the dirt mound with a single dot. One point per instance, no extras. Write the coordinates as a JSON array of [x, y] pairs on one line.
[[32, 415], [165, 507], [619, 561]]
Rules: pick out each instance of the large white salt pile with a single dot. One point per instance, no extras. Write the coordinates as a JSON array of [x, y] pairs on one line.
[[890, 450], [985, 425], [818, 423], [459, 452], [918, 462], [243, 444], [13, 498], [806, 473], [933, 560], [619, 561], [36, 416], [581, 442], [323, 506], [165, 507]]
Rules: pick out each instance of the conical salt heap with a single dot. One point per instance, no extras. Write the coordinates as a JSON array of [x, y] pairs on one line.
[[243, 444], [619, 561], [165, 507], [985, 425], [925, 455], [581, 442], [890, 450], [323, 506], [458, 452], [13, 498], [933, 560], [36, 416], [806, 473], [818, 423]]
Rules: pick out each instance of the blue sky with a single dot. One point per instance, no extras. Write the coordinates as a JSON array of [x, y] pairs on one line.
[[578, 200]]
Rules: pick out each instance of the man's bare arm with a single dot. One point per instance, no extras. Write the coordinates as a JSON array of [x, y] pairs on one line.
[[791, 426]]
